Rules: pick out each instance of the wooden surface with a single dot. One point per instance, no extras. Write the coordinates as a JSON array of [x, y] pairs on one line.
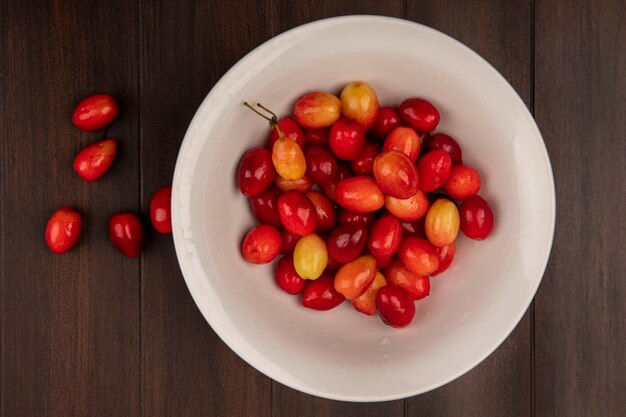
[[91, 333]]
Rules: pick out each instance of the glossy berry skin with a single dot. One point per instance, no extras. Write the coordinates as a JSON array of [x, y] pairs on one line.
[[463, 182], [256, 171], [364, 163], [414, 228], [318, 137], [287, 278], [476, 218], [325, 210], [396, 175], [359, 102], [347, 241], [347, 216], [360, 194], [403, 139], [310, 256], [95, 112], [127, 234], [95, 160], [420, 114], [289, 241], [297, 213], [387, 120], [261, 244], [63, 230], [442, 223], [343, 172], [346, 139], [385, 237], [434, 169], [161, 210], [353, 278], [288, 159], [414, 285], [290, 129], [418, 255], [321, 294], [303, 184], [366, 302], [446, 143], [322, 165], [395, 308], [446, 255], [410, 209], [265, 207], [317, 110]]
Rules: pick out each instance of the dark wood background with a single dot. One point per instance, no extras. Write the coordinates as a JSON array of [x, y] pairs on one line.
[[91, 333]]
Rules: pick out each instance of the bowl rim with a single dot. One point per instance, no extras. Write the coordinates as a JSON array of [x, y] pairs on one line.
[[188, 271]]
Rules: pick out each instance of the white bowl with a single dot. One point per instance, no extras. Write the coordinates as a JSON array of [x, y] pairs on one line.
[[342, 354]]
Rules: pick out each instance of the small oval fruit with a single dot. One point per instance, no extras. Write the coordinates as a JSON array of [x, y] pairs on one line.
[[287, 277], [297, 213], [127, 234], [347, 242], [346, 139], [418, 255], [434, 169], [255, 172], [290, 129], [161, 210], [387, 120], [95, 112], [310, 256], [446, 255], [353, 278], [410, 209], [317, 110], [359, 102], [288, 159], [420, 114], [446, 143], [343, 172], [463, 182], [303, 184], [395, 308], [326, 211], [366, 302], [416, 286], [321, 294], [385, 237], [63, 230], [360, 194], [396, 175], [265, 207], [261, 244], [322, 166], [95, 160], [403, 139], [476, 218], [363, 164], [442, 223]]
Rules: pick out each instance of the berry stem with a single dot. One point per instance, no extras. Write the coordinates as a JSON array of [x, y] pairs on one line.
[[273, 121]]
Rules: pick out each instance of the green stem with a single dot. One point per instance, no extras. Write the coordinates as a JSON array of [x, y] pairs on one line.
[[273, 121]]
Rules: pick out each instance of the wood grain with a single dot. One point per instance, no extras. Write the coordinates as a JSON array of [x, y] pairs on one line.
[[501, 33], [70, 323], [580, 317], [186, 47]]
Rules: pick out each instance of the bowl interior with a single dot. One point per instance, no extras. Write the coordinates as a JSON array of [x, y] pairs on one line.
[[341, 353]]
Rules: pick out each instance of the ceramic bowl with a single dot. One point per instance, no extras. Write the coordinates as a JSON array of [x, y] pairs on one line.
[[342, 354]]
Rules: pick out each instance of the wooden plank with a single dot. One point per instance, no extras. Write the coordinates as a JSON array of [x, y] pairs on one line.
[[501, 33], [580, 102], [289, 402], [186, 47], [70, 323]]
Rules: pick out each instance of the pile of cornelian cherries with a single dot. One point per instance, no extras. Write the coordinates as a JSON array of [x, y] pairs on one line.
[[365, 203]]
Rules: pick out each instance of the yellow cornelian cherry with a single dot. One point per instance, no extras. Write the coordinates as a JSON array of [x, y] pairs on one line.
[[360, 102], [287, 156], [310, 256], [442, 223]]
